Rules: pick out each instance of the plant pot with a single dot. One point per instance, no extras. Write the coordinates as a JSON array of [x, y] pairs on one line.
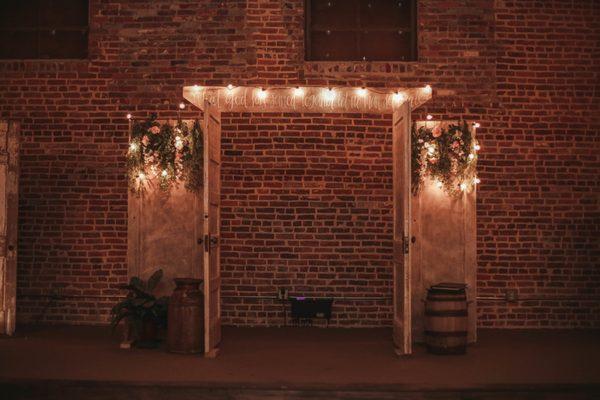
[[147, 334]]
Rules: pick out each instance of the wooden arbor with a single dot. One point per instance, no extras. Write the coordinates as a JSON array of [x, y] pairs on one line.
[[161, 230], [212, 100]]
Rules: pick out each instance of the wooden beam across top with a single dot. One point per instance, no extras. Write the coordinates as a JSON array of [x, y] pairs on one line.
[[306, 98]]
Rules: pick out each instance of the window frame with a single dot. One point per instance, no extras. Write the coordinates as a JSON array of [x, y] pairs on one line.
[[39, 28], [414, 39]]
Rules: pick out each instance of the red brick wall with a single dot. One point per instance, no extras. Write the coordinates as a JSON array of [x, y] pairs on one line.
[[526, 70], [306, 206]]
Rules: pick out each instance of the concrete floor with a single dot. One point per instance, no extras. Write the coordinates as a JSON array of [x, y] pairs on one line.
[[309, 358]]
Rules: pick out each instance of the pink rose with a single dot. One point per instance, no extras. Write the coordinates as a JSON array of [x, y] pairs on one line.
[[437, 131], [155, 130]]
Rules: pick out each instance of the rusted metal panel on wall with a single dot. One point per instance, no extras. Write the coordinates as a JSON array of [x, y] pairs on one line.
[[9, 205], [165, 231], [444, 248]]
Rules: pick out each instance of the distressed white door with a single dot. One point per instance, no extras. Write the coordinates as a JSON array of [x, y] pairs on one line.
[[9, 174], [212, 222], [401, 175]]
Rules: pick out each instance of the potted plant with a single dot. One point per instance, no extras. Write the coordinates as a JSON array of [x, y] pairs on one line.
[[143, 312]]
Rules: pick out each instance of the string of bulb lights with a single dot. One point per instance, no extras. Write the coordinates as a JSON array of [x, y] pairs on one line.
[[329, 94]]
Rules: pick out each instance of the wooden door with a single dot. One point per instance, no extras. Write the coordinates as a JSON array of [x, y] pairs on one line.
[[401, 176], [212, 221], [9, 174]]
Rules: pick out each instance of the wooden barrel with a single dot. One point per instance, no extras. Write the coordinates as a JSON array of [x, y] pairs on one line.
[[185, 329], [446, 320]]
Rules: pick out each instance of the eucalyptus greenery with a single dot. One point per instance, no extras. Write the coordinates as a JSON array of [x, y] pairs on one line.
[[165, 154], [446, 154]]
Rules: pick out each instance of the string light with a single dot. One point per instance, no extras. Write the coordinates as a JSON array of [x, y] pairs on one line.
[[427, 89], [133, 147], [129, 116], [262, 94], [361, 92], [142, 176], [476, 125], [471, 156], [298, 91], [164, 173], [328, 94], [429, 117], [181, 105], [230, 87], [477, 147], [398, 97], [463, 186], [476, 181]]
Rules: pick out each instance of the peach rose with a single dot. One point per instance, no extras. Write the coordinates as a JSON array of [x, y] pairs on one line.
[[437, 131]]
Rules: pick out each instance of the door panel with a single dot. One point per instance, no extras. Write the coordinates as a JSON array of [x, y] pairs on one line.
[[9, 203], [212, 217], [401, 175]]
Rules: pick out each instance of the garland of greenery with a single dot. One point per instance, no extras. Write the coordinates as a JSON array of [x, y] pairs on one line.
[[165, 153], [445, 154]]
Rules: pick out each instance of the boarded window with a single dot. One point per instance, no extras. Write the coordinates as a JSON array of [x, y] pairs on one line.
[[361, 30], [43, 29]]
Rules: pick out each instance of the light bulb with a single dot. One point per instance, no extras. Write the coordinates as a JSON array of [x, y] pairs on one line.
[[298, 91], [181, 105], [398, 97], [427, 89], [164, 173], [476, 181], [128, 116], [429, 117], [463, 186], [477, 147], [328, 94], [262, 94], [476, 125], [230, 87], [471, 156], [362, 92], [133, 146]]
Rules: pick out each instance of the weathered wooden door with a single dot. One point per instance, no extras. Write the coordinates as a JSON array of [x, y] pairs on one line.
[[212, 221], [9, 174], [401, 176]]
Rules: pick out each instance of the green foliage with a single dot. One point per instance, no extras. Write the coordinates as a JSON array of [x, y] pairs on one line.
[[165, 153], [445, 154], [141, 304]]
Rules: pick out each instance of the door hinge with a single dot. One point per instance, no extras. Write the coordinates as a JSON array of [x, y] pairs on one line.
[[405, 244]]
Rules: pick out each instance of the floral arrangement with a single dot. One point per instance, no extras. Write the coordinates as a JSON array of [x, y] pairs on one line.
[[165, 154], [447, 154]]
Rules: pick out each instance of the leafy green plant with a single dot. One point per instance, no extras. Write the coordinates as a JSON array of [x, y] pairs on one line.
[[165, 154], [141, 305]]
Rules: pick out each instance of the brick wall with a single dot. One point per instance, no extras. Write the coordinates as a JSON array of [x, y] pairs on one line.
[[306, 206], [526, 70]]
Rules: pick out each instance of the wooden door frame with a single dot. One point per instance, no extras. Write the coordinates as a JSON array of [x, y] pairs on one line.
[[9, 156]]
